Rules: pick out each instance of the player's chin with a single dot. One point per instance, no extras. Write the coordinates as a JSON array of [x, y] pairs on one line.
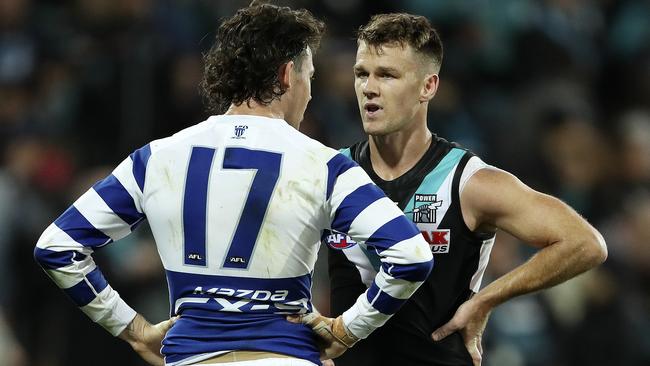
[[374, 128]]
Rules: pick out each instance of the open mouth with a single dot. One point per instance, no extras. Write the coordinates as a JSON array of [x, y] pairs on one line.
[[372, 108]]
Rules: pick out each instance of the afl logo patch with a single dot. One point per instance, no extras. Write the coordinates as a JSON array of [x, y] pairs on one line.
[[339, 241]]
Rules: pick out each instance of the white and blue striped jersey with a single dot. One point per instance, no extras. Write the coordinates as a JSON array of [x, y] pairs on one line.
[[237, 206]]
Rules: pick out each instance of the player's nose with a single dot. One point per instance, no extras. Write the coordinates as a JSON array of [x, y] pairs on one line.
[[370, 87]]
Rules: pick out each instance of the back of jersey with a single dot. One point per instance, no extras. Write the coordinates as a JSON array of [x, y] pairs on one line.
[[236, 205]]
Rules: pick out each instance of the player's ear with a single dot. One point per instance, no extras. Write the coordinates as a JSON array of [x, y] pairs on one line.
[[284, 75], [429, 87]]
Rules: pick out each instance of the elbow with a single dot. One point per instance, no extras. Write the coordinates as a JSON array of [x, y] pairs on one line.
[[50, 259], [595, 248], [54, 256], [43, 257], [42, 254]]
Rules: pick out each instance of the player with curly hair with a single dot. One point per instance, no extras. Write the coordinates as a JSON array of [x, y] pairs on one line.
[[237, 205]]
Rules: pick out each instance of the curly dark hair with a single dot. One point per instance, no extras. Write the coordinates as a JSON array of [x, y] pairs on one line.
[[403, 28], [243, 63]]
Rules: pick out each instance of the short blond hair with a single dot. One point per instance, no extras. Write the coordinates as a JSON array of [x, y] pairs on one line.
[[403, 29]]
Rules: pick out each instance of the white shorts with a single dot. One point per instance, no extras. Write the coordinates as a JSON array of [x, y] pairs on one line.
[[266, 362]]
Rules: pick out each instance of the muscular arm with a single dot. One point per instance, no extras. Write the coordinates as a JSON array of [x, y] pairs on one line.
[[493, 199], [569, 244]]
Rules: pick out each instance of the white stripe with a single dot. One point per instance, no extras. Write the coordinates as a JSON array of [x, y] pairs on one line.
[[68, 276], [474, 164], [124, 174], [345, 184], [409, 251], [183, 300], [97, 212], [361, 319], [356, 255], [396, 287], [484, 258], [57, 240], [373, 217], [110, 311]]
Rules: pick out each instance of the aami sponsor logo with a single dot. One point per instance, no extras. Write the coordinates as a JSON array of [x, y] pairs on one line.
[[339, 241], [439, 240]]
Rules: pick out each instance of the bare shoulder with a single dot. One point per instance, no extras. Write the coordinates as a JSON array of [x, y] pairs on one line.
[[490, 193], [495, 199]]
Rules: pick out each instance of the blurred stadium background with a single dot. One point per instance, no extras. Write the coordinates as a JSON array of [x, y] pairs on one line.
[[555, 91]]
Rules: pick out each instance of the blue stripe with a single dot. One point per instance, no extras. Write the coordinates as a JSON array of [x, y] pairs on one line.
[[393, 232], [410, 272], [338, 165], [346, 152], [195, 205], [50, 259], [81, 293], [385, 303], [140, 159], [118, 199], [354, 204], [73, 223], [373, 290], [199, 332], [97, 280]]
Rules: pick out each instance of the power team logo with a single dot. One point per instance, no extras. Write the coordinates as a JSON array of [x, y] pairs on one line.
[[425, 216], [339, 241], [425, 209]]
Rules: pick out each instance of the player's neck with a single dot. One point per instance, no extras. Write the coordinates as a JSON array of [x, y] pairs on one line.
[[394, 154], [253, 108]]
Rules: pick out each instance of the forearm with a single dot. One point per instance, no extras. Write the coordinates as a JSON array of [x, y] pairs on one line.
[[134, 330], [146, 338], [550, 266], [404, 269], [72, 268]]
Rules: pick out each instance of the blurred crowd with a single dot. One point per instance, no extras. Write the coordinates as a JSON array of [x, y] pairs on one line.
[[555, 91]]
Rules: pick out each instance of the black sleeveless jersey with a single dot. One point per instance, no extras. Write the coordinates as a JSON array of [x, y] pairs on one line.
[[429, 195]]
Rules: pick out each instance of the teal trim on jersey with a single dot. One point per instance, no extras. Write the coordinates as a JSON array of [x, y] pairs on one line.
[[346, 152], [434, 179]]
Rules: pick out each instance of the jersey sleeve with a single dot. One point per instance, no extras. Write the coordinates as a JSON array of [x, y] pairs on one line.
[[360, 209], [108, 211]]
